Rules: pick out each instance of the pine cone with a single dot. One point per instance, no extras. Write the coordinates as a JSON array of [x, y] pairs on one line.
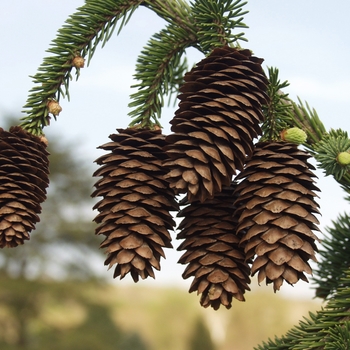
[[134, 212], [213, 254], [23, 182], [274, 211], [218, 116]]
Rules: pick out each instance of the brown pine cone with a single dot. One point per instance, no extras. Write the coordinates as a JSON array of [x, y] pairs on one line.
[[219, 114], [213, 255], [275, 206], [23, 181], [134, 212]]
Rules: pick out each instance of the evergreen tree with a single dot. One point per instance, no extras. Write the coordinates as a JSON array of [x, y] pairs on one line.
[[132, 341], [200, 338], [226, 102]]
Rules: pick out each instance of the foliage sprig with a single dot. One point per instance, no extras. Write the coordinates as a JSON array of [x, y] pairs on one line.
[[324, 329], [215, 21], [335, 258], [175, 12], [277, 111], [83, 31], [306, 118], [159, 72], [327, 151]]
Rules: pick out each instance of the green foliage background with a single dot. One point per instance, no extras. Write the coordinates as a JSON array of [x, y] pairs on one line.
[[88, 315]]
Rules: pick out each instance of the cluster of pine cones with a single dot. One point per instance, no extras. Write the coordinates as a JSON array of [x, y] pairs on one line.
[[247, 208], [233, 226]]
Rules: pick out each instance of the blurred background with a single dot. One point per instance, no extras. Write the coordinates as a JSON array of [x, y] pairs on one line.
[[55, 291]]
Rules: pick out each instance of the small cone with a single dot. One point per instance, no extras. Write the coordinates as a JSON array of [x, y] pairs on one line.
[[213, 255], [23, 181], [134, 212], [219, 114], [275, 206]]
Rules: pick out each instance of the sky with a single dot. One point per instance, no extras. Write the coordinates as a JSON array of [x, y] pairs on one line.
[[308, 41]]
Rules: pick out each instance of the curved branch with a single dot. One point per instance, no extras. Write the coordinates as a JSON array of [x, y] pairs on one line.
[[204, 26], [159, 71], [175, 12], [93, 24], [81, 34], [216, 20]]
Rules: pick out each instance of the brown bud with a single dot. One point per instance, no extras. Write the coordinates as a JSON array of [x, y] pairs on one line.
[[44, 140], [78, 62], [54, 107]]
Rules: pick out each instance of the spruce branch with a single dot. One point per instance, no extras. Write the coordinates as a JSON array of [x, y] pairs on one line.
[[306, 118], [327, 152], [82, 32], [335, 258], [159, 72], [325, 329], [210, 23], [205, 25], [94, 24], [158, 69], [278, 110], [215, 21], [331, 150], [175, 12]]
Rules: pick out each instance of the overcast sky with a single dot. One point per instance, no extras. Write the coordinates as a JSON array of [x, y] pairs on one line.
[[307, 40]]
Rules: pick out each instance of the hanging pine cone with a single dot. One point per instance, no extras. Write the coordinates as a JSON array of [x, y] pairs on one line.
[[218, 116], [275, 212], [134, 212], [213, 255], [23, 182]]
